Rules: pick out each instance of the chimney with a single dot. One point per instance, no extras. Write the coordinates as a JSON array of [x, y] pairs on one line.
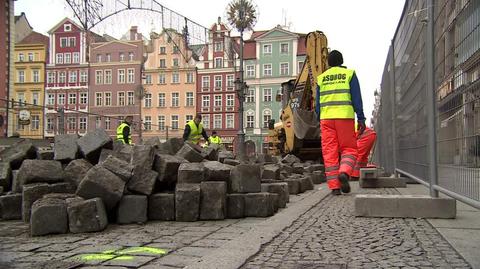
[[219, 19], [133, 33]]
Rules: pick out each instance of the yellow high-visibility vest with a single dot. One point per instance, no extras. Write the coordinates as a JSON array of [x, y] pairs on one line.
[[120, 133], [215, 140], [335, 99], [195, 132]]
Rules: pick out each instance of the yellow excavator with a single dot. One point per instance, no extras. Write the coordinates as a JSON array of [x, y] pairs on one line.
[[298, 131]]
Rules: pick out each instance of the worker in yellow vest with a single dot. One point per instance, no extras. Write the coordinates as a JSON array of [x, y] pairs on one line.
[[194, 130], [338, 99], [123, 131], [215, 139]]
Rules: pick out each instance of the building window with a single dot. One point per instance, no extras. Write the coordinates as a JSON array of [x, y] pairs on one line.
[[284, 48], [83, 76], [218, 62], [121, 99], [230, 100], [72, 77], [21, 57], [190, 101], [99, 98], [217, 121], [76, 57], [267, 69], [130, 99], [267, 116], [36, 75], [68, 58], [83, 98], [218, 82], [148, 100], [98, 122], [161, 123], [99, 77], [21, 98], [161, 100], [21, 76], [174, 122], [188, 118], [161, 78], [148, 79], [175, 99], [108, 76], [130, 56], [30, 57], [218, 46], [82, 123], [175, 63], [206, 101], [131, 75], [61, 77], [250, 121], [108, 99], [72, 98], [190, 77], [72, 123], [230, 81], [267, 95], [71, 42], [148, 123], [229, 118], [175, 49], [163, 50], [61, 98], [121, 56], [50, 99], [59, 59], [35, 122], [284, 69], [108, 57], [121, 76], [218, 100], [107, 123], [63, 42], [206, 82], [206, 121], [49, 124], [250, 97], [175, 78], [162, 63], [267, 49], [51, 77]]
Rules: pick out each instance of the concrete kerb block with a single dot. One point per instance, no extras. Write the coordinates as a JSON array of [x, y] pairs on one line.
[[119, 167], [279, 188], [318, 177], [11, 206], [245, 178], [383, 182], [216, 171], [191, 173], [293, 185], [86, 215], [213, 199], [49, 216], [368, 173], [190, 154], [76, 171], [187, 202], [5, 176], [132, 209], [30, 194], [66, 148], [261, 204], [404, 206], [167, 167], [161, 206], [235, 205], [92, 143]]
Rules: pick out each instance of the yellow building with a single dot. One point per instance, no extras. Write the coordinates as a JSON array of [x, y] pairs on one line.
[[169, 82], [29, 85]]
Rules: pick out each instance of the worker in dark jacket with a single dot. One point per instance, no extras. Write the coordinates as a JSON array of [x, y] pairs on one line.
[[338, 99], [123, 131], [194, 130]]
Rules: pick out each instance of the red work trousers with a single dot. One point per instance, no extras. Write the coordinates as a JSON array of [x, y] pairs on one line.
[[364, 145], [338, 137]]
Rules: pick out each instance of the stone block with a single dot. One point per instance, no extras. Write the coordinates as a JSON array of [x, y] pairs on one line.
[[161, 206], [37, 171], [216, 171], [383, 182], [190, 154], [16, 187], [171, 146], [316, 167], [45, 154], [290, 159], [119, 167], [86, 216], [11, 206], [305, 184], [404, 206], [235, 205], [62, 187], [298, 168], [132, 209], [30, 194], [17, 153], [231, 162], [76, 171], [224, 154], [153, 141], [213, 199], [142, 160], [191, 173], [318, 177], [5, 176], [271, 171], [66, 148], [368, 173], [124, 156], [100, 182], [286, 169], [210, 153], [279, 188], [92, 143], [167, 167], [187, 202], [49, 216], [293, 185], [63, 196], [261, 204], [244, 178]]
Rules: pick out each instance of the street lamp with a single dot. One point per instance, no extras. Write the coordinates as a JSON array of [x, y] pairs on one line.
[[241, 88]]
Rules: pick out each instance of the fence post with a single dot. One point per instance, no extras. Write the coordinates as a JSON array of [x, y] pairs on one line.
[[431, 101], [394, 117]]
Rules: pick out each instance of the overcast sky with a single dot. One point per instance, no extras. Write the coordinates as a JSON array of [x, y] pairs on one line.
[[361, 30]]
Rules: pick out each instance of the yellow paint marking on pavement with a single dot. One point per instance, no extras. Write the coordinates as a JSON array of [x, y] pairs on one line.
[[152, 250], [95, 257]]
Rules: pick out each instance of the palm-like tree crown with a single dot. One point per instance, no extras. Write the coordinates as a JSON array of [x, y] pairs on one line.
[[241, 14]]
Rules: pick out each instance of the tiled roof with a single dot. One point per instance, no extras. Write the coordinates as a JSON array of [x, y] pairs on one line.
[[35, 38]]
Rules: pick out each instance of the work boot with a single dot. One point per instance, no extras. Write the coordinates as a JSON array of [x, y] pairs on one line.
[[336, 192], [343, 177]]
